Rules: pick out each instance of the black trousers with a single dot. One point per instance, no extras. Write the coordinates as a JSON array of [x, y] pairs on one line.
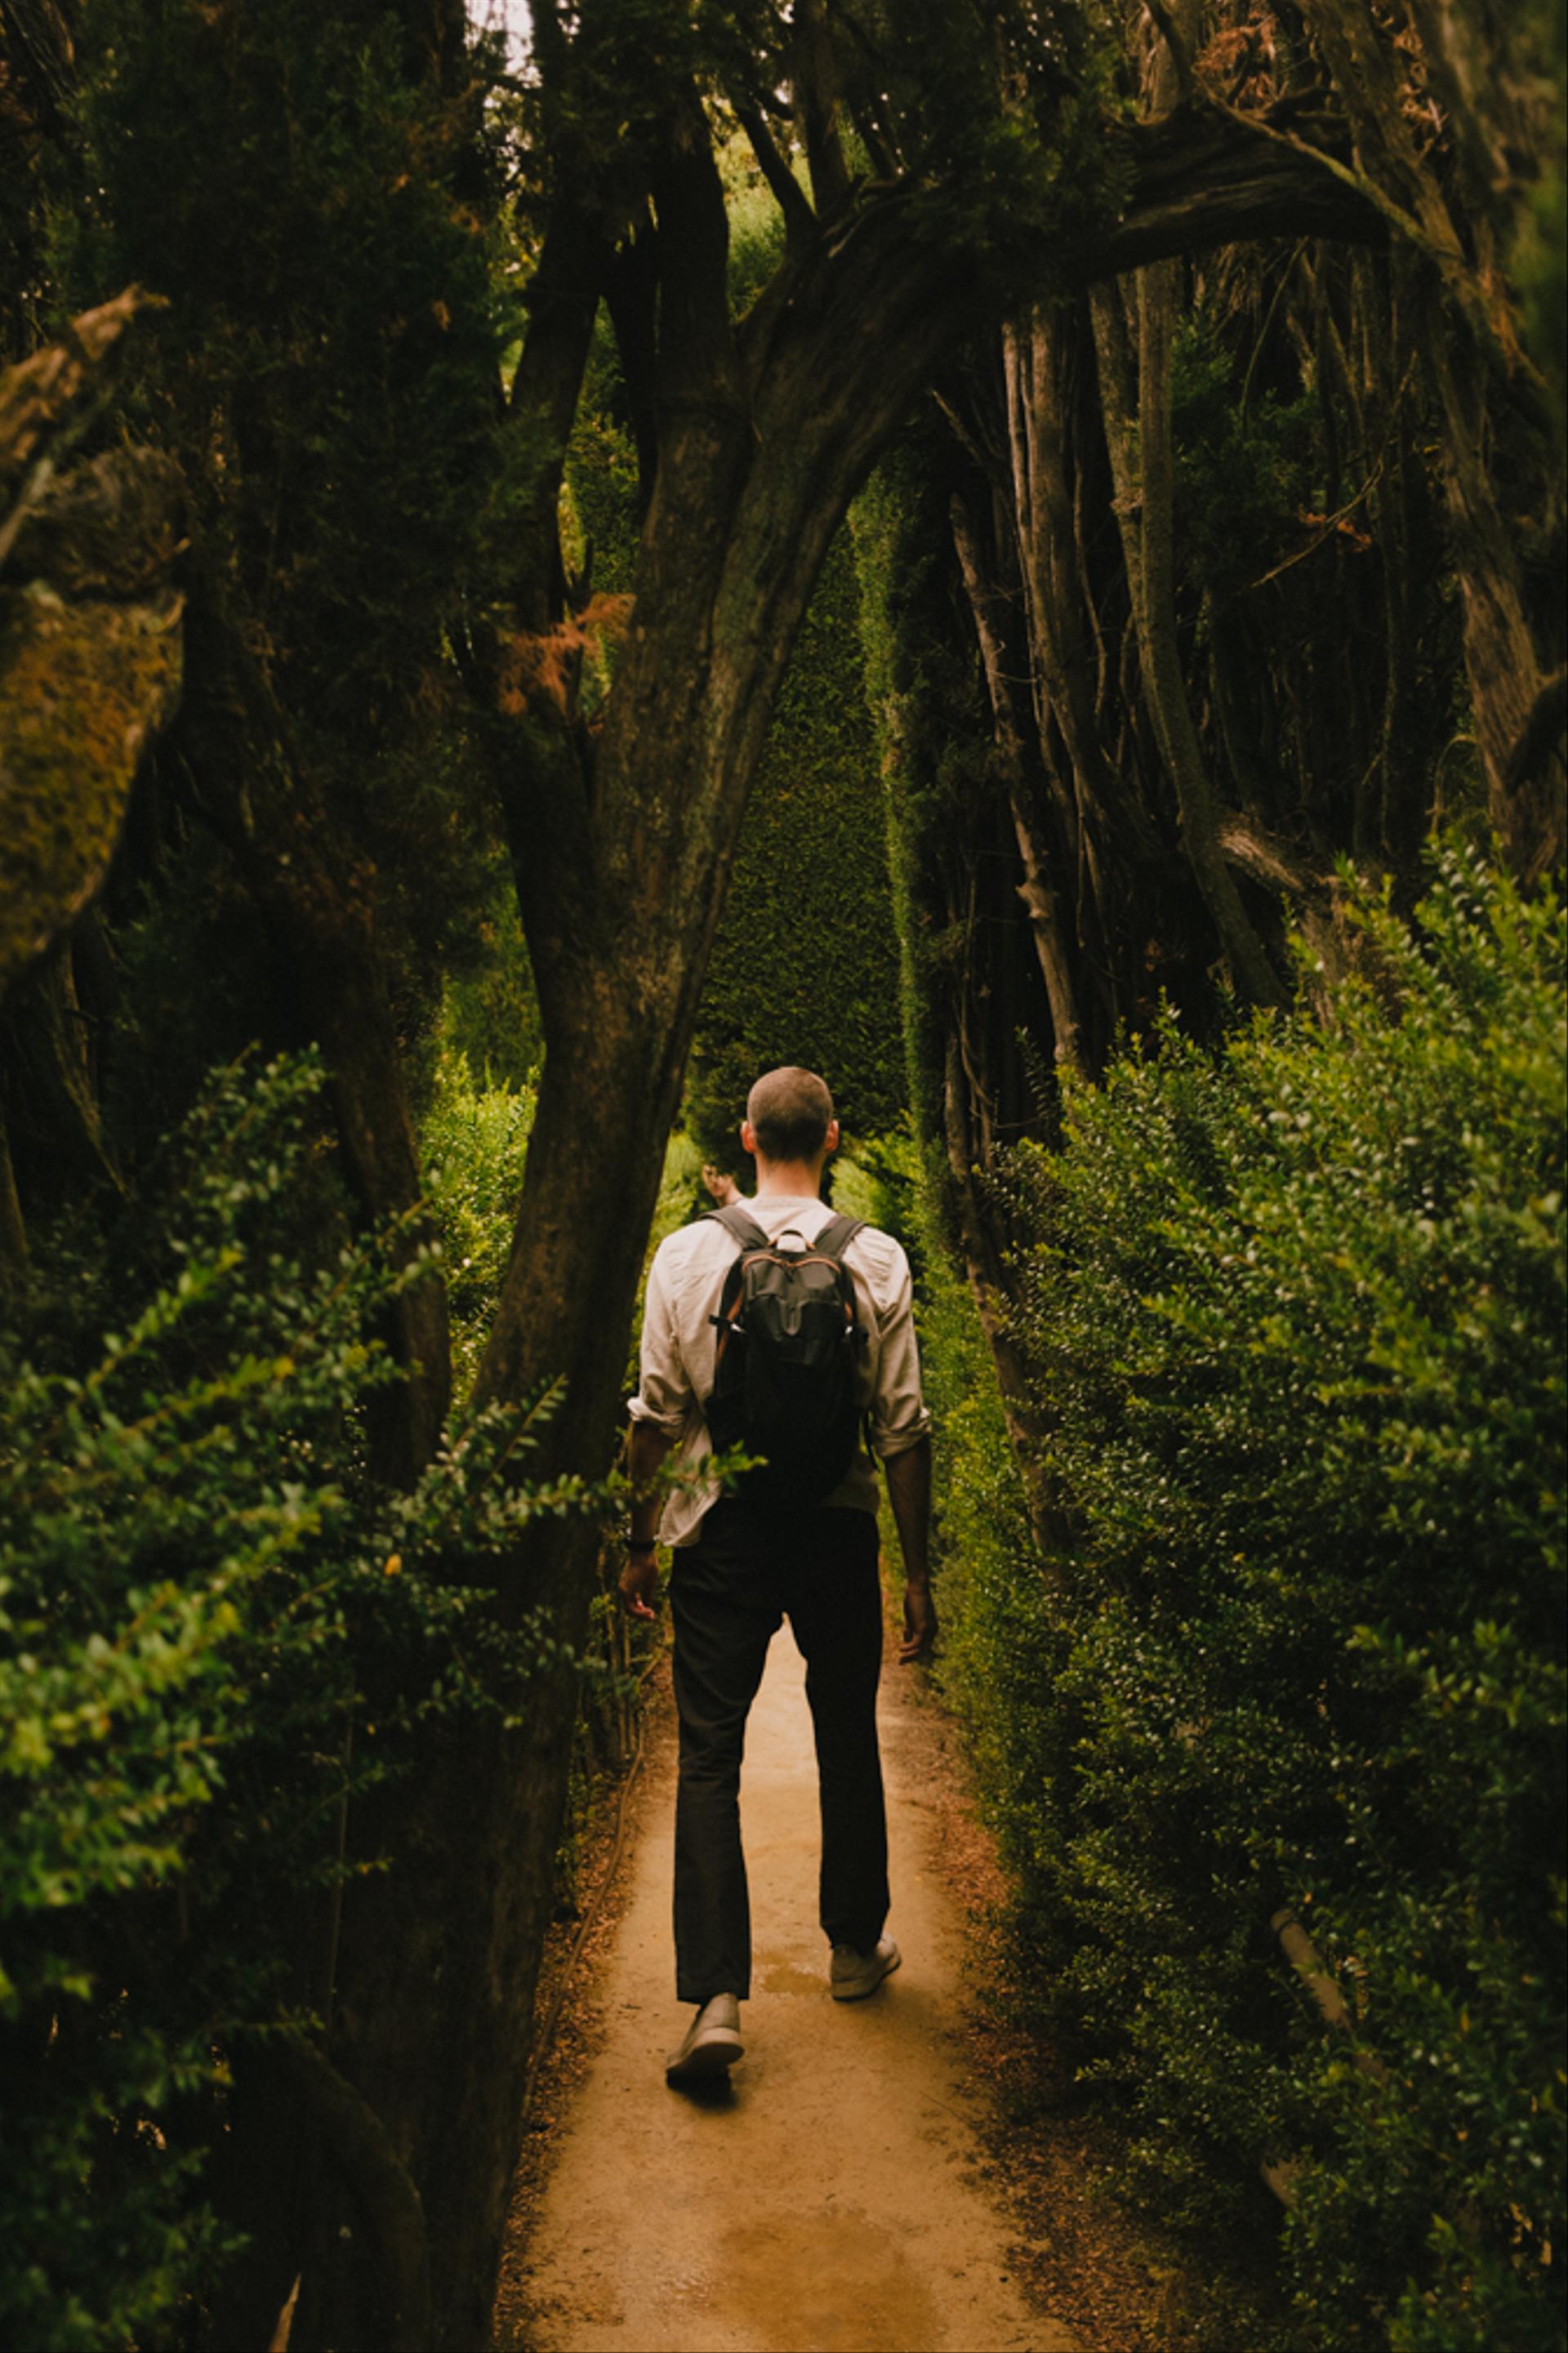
[[728, 1591]]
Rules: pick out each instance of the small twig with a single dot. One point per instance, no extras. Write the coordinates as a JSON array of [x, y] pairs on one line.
[[1301, 247], [1330, 524]]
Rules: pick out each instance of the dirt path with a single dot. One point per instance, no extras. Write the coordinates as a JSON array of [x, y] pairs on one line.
[[830, 2199]]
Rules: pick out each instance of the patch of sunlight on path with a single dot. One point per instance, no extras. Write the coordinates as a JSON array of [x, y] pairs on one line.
[[830, 2200]]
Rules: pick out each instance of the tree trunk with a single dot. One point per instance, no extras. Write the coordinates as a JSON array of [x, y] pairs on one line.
[[1501, 658], [1040, 889], [1501, 101], [1155, 609]]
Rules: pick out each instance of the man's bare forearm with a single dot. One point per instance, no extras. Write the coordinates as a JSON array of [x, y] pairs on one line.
[[646, 1452], [908, 1491], [647, 1447]]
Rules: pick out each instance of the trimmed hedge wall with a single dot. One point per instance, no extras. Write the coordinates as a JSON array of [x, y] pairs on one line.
[[806, 967], [1294, 1314]]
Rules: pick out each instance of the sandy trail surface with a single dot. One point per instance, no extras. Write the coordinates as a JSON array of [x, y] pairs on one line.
[[829, 2196]]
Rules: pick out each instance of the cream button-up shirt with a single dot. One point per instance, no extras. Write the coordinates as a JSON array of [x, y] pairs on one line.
[[684, 1285]]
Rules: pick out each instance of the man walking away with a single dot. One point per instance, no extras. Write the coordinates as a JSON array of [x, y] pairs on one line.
[[722, 1337]]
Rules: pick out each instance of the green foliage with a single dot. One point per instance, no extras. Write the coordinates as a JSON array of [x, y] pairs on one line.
[[474, 1140], [805, 965], [327, 289], [990, 1590], [999, 183], [198, 1587], [756, 224], [489, 1009], [1293, 1314], [1244, 471], [602, 477], [325, 372]]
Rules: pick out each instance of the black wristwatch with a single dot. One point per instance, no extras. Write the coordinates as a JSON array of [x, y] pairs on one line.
[[651, 1544]]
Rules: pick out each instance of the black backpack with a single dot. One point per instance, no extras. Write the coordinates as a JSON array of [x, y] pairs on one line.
[[786, 1363]]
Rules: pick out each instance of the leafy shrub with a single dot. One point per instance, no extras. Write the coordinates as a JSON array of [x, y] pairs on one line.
[[198, 1584], [1244, 477], [1293, 1312], [476, 1140], [989, 1590]]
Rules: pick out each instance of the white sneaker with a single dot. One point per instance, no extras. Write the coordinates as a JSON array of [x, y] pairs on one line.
[[712, 2043], [853, 1975]]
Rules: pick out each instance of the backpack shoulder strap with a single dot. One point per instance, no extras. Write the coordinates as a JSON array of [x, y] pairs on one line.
[[746, 1230], [837, 1236]]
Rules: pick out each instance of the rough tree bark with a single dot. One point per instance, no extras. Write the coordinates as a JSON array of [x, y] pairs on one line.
[[1046, 870]]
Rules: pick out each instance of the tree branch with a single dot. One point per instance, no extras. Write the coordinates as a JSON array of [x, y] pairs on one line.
[[816, 83], [360, 2147], [1175, 41], [799, 220], [1541, 733], [1205, 176], [696, 358], [561, 304]]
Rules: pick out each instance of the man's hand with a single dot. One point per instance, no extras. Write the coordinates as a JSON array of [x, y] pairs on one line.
[[639, 1583], [920, 1624], [646, 1446]]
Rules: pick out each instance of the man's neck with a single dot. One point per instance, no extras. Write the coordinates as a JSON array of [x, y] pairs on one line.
[[793, 1180]]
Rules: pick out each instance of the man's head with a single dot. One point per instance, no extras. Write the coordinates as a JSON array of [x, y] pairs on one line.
[[789, 1119]]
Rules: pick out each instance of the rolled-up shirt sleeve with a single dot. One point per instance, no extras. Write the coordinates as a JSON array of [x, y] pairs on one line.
[[664, 1394], [899, 1416]]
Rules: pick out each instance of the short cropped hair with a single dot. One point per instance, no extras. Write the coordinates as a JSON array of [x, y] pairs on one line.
[[790, 1109]]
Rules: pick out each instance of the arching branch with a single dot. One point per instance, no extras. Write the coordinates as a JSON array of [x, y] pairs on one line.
[[1203, 176]]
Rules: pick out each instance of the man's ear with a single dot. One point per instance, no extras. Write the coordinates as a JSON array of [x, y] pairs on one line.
[[747, 1138], [830, 1141]]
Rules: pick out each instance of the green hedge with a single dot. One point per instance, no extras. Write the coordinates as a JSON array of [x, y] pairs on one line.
[[1294, 1315], [474, 1142], [805, 965], [199, 1583]]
